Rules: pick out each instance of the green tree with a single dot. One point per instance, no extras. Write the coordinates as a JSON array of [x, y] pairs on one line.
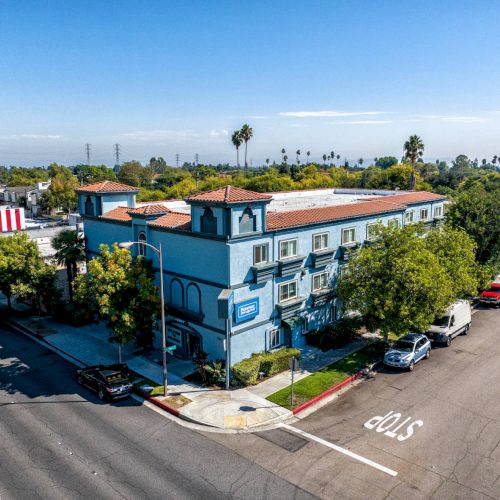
[[158, 165], [246, 134], [61, 193], [87, 174], [414, 149], [131, 173], [386, 162], [237, 140], [70, 250], [124, 295], [396, 283]]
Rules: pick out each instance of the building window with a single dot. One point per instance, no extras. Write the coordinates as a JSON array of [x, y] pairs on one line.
[[424, 214], [342, 271], [274, 338], [89, 206], [320, 241], [142, 248], [247, 221], [288, 291], [372, 230], [319, 281], [394, 223], [261, 254], [288, 248], [438, 211], [208, 222], [193, 298], [333, 312], [348, 235], [409, 217]]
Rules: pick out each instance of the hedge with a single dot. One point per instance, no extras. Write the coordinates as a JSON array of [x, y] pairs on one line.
[[270, 363]]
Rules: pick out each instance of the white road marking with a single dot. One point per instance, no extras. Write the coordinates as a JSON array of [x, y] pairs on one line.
[[351, 454]]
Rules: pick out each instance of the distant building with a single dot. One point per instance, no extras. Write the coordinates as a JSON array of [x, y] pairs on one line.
[[25, 196], [275, 257]]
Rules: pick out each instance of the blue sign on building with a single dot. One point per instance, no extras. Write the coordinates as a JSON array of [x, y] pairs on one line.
[[246, 310]]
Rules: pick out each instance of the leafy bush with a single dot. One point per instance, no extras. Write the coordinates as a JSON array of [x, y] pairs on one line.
[[270, 363], [335, 335], [215, 372]]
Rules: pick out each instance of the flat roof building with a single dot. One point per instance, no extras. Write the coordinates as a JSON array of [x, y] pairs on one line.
[[276, 255]]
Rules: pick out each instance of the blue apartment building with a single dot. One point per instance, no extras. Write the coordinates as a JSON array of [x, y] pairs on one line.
[[254, 271]]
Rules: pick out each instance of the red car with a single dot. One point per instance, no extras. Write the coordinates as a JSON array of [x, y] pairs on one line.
[[491, 296]]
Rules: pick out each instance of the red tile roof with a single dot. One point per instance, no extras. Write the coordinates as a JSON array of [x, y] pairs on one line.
[[228, 194], [118, 213], [281, 220], [106, 187], [410, 198], [175, 220], [153, 209]]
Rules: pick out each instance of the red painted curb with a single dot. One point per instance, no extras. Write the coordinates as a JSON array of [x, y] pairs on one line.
[[157, 402], [326, 393]]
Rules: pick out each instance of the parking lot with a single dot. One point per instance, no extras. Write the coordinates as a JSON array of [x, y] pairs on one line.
[[436, 430]]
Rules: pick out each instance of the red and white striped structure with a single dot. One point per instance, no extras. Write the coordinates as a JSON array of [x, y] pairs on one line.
[[12, 219]]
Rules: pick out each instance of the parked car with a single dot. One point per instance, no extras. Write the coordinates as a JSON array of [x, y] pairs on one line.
[[491, 296], [108, 381], [408, 350], [455, 321]]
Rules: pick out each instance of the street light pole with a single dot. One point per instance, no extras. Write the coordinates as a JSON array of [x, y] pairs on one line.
[[158, 251]]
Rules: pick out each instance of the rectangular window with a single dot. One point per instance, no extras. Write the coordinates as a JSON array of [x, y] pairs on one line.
[[260, 254], [424, 214], [320, 241], [409, 217], [288, 248], [348, 236], [394, 223], [371, 230], [438, 211], [342, 271], [333, 312], [274, 338], [319, 281], [288, 291]]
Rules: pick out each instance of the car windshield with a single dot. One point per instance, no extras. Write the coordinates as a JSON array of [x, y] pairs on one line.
[[403, 345], [441, 321]]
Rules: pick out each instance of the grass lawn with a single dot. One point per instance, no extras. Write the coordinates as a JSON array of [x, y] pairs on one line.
[[316, 383]]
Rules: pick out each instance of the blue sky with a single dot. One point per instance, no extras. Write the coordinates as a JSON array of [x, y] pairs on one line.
[[160, 78]]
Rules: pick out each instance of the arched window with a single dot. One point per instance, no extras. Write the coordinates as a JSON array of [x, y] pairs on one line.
[[142, 239], [208, 222], [247, 221], [176, 293], [89, 206], [193, 296]]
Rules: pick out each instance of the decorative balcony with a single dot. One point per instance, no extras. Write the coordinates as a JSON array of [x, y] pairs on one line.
[[348, 250], [321, 297], [321, 258], [289, 308], [264, 272], [290, 265]]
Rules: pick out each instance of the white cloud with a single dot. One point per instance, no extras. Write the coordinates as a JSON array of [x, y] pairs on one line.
[[361, 122], [219, 133], [32, 136], [330, 113], [463, 119], [147, 135]]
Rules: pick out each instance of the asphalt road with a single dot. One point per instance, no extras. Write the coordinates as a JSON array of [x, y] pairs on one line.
[[57, 440], [453, 402]]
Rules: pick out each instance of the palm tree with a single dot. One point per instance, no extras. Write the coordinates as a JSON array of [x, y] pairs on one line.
[[267, 162], [237, 140], [332, 154], [360, 161], [494, 161], [338, 157], [246, 134], [308, 154], [70, 249], [324, 159], [285, 158], [298, 156], [413, 148]]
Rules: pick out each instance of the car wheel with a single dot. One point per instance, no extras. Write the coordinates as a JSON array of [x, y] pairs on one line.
[[411, 366], [101, 394], [428, 354], [448, 342], [466, 331]]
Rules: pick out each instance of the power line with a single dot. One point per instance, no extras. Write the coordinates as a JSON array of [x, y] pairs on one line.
[[196, 159], [87, 151]]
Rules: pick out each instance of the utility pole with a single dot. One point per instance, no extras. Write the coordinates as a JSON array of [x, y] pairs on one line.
[[196, 158], [177, 159], [116, 148], [87, 152]]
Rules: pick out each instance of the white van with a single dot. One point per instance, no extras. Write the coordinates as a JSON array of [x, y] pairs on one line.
[[455, 321]]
